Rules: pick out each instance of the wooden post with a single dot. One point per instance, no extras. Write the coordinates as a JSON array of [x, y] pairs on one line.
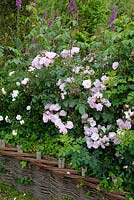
[[61, 162], [38, 155], [83, 171], [19, 148], [2, 143]]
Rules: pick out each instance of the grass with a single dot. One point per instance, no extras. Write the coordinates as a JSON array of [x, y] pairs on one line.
[[8, 192]]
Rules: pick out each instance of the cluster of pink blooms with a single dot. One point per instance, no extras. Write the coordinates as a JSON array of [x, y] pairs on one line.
[[61, 84], [95, 135], [83, 71], [69, 53], [96, 99], [48, 57], [53, 113], [41, 61], [123, 124]]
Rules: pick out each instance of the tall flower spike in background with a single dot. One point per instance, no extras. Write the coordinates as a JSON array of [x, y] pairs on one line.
[[18, 3], [112, 18], [51, 21], [73, 8], [44, 16], [71, 5]]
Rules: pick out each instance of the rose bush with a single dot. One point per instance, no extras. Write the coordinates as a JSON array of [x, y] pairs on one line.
[[79, 98]]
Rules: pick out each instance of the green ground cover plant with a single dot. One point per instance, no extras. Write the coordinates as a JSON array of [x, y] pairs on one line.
[[67, 90], [8, 192]]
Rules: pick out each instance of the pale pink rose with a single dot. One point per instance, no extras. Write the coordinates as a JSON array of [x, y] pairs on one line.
[[111, 135], [84, 116], [115, 141], [105, 139], [69, 80], [69, 125], [59, 82], [102, 145], [45, 118], [127, 124], [104, 78], [55, 119], [65, 53], [93, 130], [91, 121], [75, 50], [99, 107], [35, 62], [50, 55], [58, 123], [120, 123], [62, 96], [54, 107], [98, 95], [102, 87], [86, 84], [97, 83], [62, 86], [96, 144], [45, 61], [91, 99], [115, 65], [63, 113], [77, 69], [94, 89], [91, 102], [25, 81], [107, 144], [89, 142], [87, 131], [62, 129], [95, 136], [106, 102]]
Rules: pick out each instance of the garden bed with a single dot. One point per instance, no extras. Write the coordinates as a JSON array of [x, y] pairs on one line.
[[43, 179]]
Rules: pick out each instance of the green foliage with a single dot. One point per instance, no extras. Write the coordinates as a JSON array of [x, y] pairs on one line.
[[129, 197], [23, 164], [9, 192], [115, 184], [80, 158], [100, 48], [3, 170], [24, 180]]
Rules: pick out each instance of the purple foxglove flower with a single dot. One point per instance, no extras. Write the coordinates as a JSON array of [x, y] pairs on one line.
[[112, 18], [18, 3], [114, 15], [51, 21], [44, 16], [76, 15], [71, 5], [112, 28]]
